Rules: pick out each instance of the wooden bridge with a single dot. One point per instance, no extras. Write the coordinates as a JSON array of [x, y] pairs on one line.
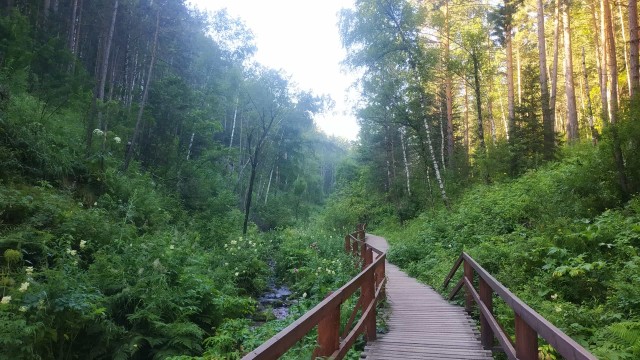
[[421, 324]]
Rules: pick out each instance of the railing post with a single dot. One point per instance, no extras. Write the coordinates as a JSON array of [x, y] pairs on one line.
[[328, 334], [486, 296], [347, 244], [369, 296], [363, 255], [468, 297], [380, 274], [526, 340]]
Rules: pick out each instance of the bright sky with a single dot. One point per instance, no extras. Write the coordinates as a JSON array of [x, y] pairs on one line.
[[302, 38]]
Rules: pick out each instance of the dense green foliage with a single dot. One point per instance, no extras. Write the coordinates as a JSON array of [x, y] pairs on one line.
[[100, 259], [154, 182], [558, 237]]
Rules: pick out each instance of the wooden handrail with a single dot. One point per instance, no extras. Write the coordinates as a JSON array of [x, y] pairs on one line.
[[528, 323], [326, 315]]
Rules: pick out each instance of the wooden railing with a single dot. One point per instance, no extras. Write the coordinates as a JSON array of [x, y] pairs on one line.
[[528, 323], [326, 315]]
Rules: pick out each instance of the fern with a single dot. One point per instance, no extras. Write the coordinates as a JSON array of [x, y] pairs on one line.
[[628, 332]]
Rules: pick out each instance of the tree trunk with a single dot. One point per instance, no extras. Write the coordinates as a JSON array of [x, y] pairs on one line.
[[572, 113], [594, 132], [476, 80], [600, 67], [190, 145], [604, 89], [547, 119], [45, 9], [519, 75], [266, 196], [510, 90], [106, 54], [145, 93], [235, 115], [252, 179], [404, 157], [610, 50], [101, 73], [442, 137], [448, 90], [492, 121], [554, 71], [624, 48], [634, 63], [612, 62], [72, 23], [504, 118], [466, 123]]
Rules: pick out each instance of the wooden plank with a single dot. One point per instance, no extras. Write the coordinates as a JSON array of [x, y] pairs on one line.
[[422, 325]]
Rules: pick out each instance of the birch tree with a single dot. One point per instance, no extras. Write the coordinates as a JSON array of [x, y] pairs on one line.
[[572, 113], [547, 116]]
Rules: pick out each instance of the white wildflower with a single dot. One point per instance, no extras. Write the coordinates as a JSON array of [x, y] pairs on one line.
[[171, 247], [23, 309], [554, 296], [73, 252], [83, 244], [117, 140], [98, 132], [24, 286], [226, 264], [304, 295], [29, 270], [237, 273], [5, 300]]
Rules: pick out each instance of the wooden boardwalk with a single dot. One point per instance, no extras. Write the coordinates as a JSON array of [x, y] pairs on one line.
[[422, 325]]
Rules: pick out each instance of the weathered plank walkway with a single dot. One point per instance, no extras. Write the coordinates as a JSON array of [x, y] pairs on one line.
[[422, 325]]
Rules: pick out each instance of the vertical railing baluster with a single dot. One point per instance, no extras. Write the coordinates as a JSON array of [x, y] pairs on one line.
[[526, 340], [347, 244], [363, 254], [328, 334], [468, 297], [369, 295], [486, 296]]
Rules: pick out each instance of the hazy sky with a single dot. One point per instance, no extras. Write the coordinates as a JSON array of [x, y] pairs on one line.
[[302, 38]]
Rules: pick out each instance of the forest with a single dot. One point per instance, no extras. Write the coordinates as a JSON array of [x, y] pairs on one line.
[[155, 182]]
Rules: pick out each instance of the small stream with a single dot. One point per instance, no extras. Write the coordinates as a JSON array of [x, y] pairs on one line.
[[276, 298]]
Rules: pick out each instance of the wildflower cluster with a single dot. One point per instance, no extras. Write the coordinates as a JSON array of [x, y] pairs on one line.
[[241, 245], [99, 132]]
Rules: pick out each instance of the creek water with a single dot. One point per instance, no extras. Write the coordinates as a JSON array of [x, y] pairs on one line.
[[276, 299]]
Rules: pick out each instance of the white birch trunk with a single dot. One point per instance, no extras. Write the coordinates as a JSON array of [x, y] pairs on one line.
[[404, 157]]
